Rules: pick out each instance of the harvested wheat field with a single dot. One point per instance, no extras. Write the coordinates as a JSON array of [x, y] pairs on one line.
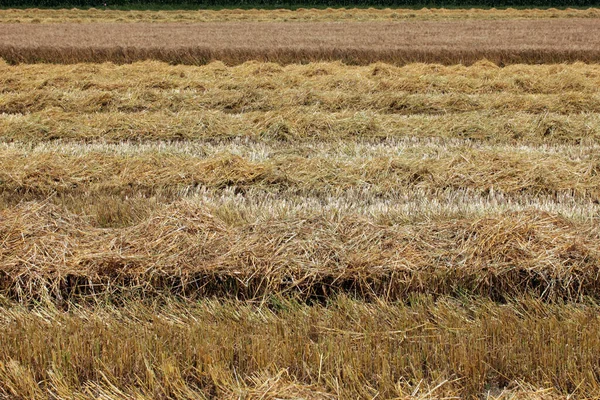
[[278, 230]]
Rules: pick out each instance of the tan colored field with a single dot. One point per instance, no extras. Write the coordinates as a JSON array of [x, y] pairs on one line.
[[378, 173], [337, 14], [447, 42], [445, 348], [319, 231]]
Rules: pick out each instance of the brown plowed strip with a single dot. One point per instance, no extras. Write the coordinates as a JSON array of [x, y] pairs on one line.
[[503, 42]]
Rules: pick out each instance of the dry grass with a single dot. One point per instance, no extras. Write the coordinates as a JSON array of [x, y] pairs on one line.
[[326, 91], [469, 348], [332, 88], [432, 79], [338, 14], [446, 42], [365, 232], [301, 125], [260, 146], [92, 170], [190, 250], [321, 102]]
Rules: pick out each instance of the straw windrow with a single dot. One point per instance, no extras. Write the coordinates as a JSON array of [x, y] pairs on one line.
[[316, 231], [299, 193]]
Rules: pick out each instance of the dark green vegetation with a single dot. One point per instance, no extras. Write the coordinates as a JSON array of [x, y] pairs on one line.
[[294, 4]]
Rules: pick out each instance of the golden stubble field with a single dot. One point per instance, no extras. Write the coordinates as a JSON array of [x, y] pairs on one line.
[[317, 231]]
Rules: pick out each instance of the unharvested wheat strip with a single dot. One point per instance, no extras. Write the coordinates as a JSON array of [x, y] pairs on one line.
[[195, 250], [384, 169], [337, 14], [286, 350], [446, 42], [299, 125]]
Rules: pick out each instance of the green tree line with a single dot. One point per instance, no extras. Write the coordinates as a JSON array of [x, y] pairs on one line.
[[140, 4]]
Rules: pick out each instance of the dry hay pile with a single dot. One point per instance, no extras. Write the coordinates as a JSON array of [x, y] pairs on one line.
[[305, 180], [185, 249], [302, 231]]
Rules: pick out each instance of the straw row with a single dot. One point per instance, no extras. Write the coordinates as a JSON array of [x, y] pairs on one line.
[[186, 249]]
